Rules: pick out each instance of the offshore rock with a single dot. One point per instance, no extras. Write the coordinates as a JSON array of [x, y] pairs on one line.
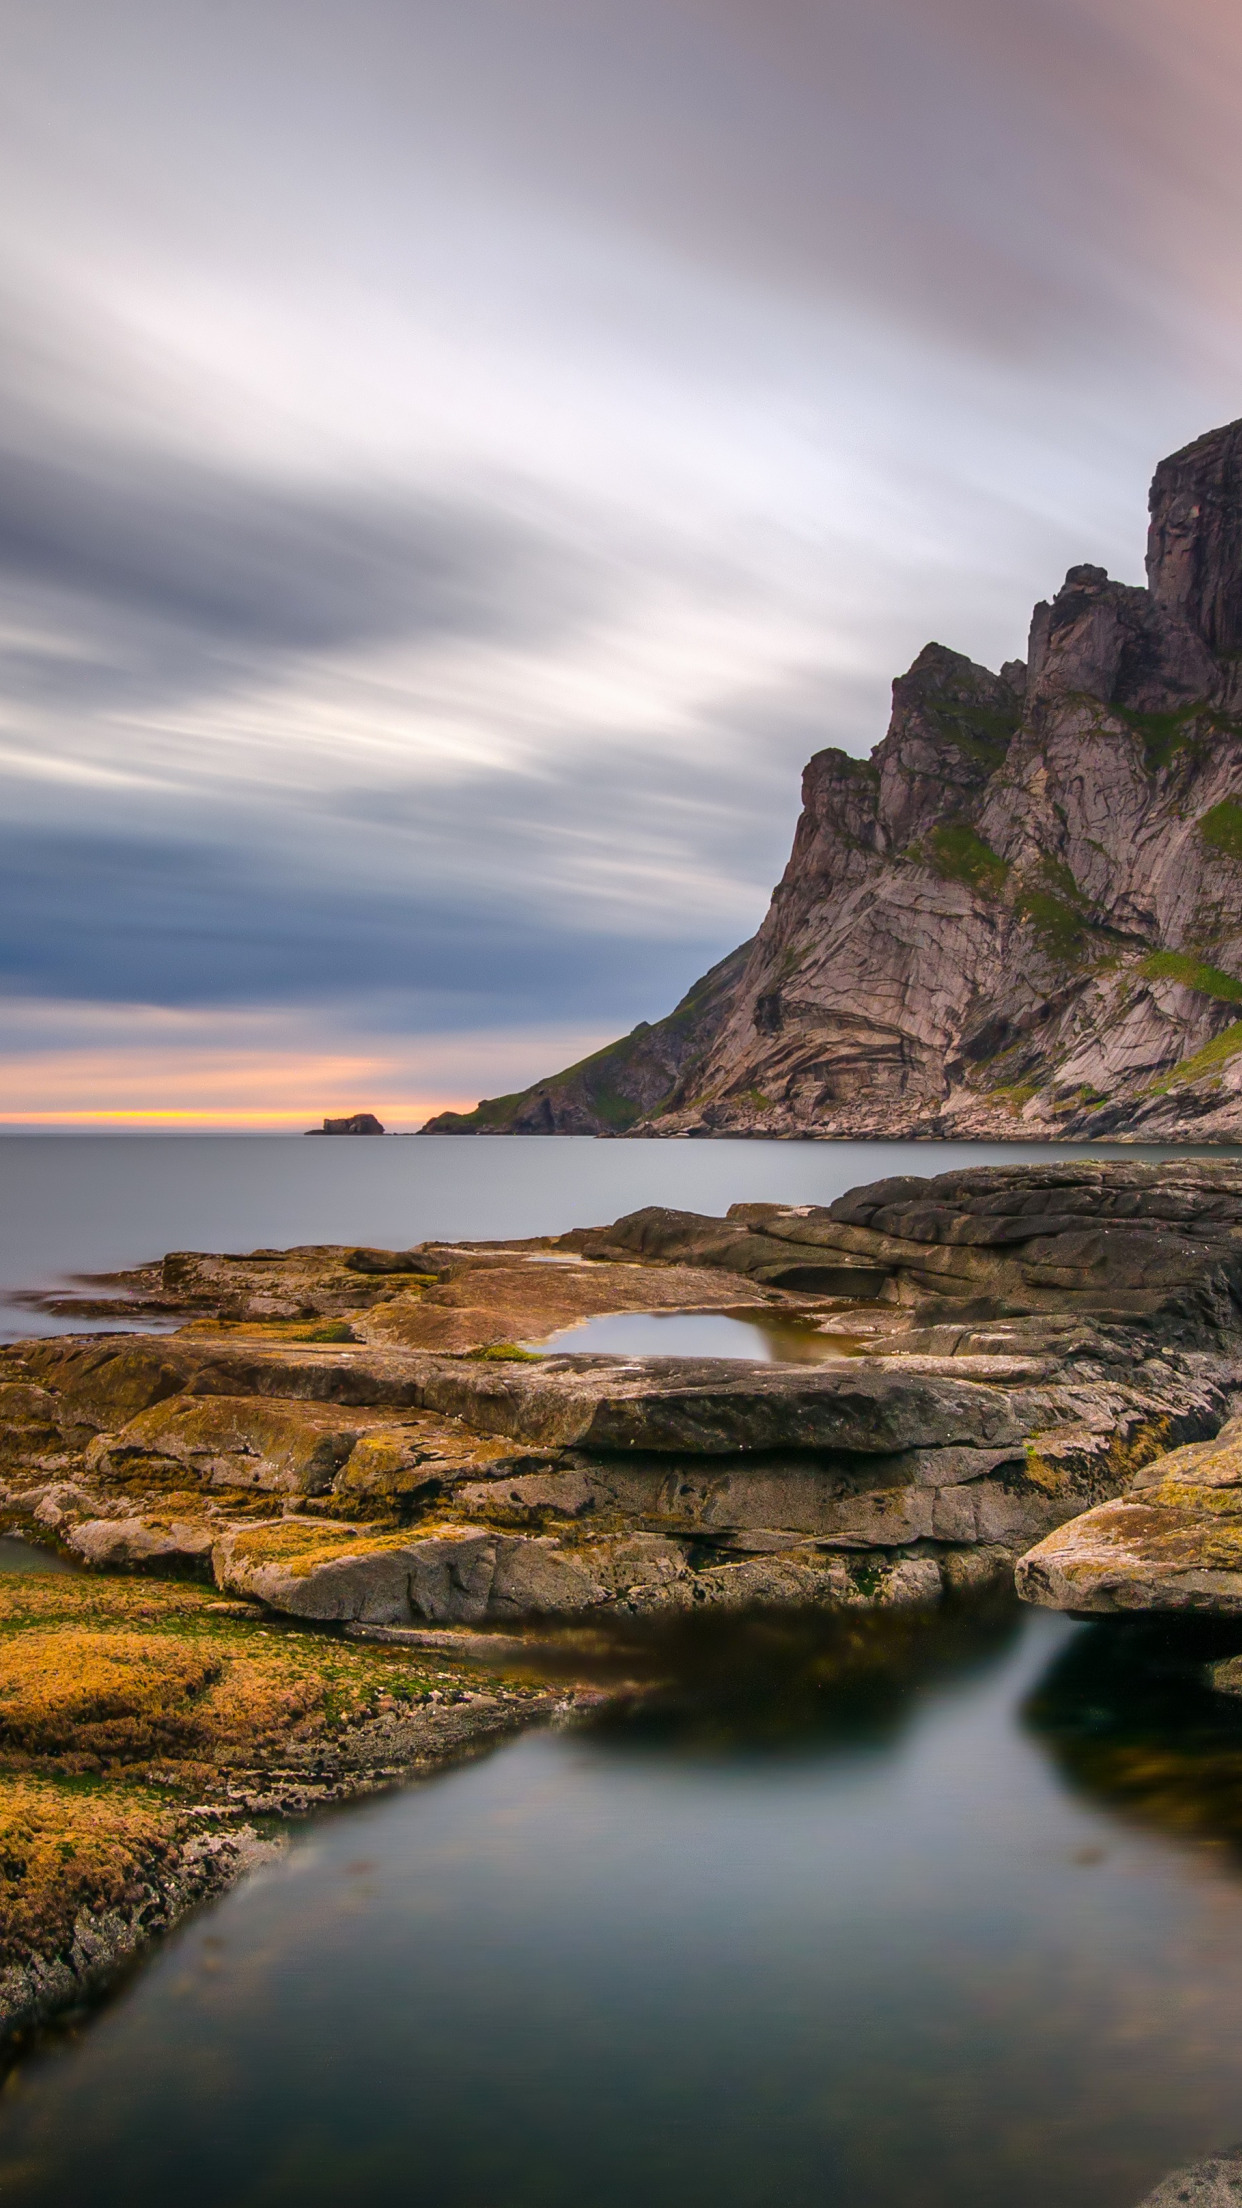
[[1023, 915]]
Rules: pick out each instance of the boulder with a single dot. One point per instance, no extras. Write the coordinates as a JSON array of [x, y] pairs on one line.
[[141, 1544], [234, 1441], [1172, 1542], [714, 1406], [311, 1568]]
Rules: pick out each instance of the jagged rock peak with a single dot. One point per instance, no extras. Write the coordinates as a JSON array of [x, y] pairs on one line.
[[1113, 641], [1194, 545]]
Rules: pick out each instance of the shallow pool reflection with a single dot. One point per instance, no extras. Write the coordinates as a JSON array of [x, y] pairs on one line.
[[823, 1921], [772, 1336]]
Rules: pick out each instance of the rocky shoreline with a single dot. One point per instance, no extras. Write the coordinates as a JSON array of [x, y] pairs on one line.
[[358, 1516], [157, 1744]]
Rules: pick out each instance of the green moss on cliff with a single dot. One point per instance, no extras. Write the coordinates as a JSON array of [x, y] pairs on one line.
[[983, 732], [1192, 973], [1057, 912], [1210, 1059], [1058, 926], [1162, 735], [959, 854], [1221, 828]]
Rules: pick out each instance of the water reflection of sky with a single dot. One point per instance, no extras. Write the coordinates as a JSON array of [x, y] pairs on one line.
[[825, 1922], [771, 1338]]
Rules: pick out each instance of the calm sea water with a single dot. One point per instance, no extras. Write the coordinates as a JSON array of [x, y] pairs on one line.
[[95, 1203], [957, 1927], [781, 1940]]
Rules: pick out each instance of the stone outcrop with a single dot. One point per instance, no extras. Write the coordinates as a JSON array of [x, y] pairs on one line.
[[357, 1123], [1216, 2183], [1006, 1241], [1173, 1542], [1020, 1344], [1022, 916]]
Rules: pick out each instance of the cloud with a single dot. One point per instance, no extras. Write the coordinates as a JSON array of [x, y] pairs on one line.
[[195, 925], [196, 573], [457, 463], [136, 1066]]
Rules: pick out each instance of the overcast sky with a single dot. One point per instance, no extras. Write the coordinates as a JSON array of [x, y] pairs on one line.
[[459, 458]]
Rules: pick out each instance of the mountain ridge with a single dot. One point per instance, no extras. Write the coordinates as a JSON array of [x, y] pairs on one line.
[[1020, 918]]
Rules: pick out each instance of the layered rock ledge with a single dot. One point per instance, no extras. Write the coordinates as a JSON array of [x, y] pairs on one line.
[[324, 1522], [1020, 1343]]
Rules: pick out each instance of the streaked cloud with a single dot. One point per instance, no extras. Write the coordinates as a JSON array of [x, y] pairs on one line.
[[457, 463]]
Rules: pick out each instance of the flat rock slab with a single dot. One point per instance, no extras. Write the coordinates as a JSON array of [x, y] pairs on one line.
[[1173, 1542], [716, 1406], [1216, 2183], [1148, 1238]]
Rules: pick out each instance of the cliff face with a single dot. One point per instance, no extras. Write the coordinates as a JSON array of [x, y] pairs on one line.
[[1023, 916]]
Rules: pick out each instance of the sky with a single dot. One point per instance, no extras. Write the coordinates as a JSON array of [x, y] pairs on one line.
[[458, 461]]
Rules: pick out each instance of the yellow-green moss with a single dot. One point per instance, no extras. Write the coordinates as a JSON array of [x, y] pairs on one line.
[[504, 1353], [303, 1548], [63, 1849], [959, 854], [1192, 973], [1209, 1060], [1042, 1474], [340, 1676]]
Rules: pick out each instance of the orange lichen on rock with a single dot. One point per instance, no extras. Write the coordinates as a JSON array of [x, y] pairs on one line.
[[62, 1852], [107, 1693], [82, 1695]]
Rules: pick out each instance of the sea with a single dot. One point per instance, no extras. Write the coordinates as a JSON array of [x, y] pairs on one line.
[[951, 1918]]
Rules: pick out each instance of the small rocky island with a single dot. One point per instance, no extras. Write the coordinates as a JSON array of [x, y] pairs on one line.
[[328, 1529], [1021, 916]]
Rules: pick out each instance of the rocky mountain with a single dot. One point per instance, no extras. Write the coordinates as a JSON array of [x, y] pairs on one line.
[[1022, 916]]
